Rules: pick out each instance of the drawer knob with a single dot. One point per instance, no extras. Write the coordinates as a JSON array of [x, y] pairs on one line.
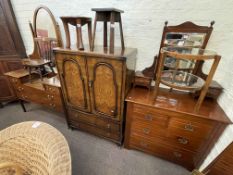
[[148, 117], [182, 140], [50, 97], [108, 126], [146, 130], [189, 127], [20, 89], [143, 144], [177, 154]]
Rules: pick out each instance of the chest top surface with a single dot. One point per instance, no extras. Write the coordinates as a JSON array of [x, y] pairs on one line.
[[99, 51], [177, 101]]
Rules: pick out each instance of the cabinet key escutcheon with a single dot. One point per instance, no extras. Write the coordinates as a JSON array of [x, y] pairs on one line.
[[148, 117], [182, 140], [188, 127]]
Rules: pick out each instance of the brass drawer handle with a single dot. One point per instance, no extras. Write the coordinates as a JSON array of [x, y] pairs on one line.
[[52, 105], [20, 89], [189, 127], [177, 154], [50, 97], [143, 144], [148, 117], [183, 140], [146, 130]]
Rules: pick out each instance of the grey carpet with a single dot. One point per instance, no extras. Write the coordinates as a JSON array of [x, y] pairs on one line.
[[92, 155]]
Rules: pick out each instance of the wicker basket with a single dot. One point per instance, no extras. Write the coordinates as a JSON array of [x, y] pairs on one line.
[[34, 148]]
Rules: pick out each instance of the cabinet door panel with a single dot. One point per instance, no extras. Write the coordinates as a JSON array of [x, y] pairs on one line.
[[105, 82], [73, 77], [7, 92]]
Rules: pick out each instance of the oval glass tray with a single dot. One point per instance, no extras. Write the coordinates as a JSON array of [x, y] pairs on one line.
[[181, 80], [183, 64]]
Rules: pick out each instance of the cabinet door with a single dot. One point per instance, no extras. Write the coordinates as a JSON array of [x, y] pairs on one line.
[[73, 78], [105, 83]]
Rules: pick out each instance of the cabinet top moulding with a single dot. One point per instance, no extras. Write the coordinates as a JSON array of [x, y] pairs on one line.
[[179, 102], [99, 51]]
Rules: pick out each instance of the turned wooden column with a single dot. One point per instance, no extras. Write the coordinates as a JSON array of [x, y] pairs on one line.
[[78, 22], [106, 15]]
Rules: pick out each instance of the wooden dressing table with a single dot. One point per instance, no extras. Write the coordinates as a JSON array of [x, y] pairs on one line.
[[168, 127], [46, 92]]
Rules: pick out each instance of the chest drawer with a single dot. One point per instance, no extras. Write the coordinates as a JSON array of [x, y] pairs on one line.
[[190, 128], [147, 130], [160, 149], [93, 120], [149, 115]]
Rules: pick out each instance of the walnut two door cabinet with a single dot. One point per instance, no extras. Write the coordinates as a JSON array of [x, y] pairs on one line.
[[168, 127], [94, 85]]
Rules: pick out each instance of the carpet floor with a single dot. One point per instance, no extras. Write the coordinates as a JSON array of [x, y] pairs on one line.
[[91, 155]]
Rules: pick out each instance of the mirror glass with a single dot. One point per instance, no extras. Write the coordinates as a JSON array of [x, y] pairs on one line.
[[44, 24], [184, 39], [193, 40]]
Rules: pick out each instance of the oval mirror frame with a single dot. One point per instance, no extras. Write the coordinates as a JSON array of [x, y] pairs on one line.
[[55, 24]]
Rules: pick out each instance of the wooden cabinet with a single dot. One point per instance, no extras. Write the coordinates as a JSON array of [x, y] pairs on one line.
[[11, 49], [169, 128], [94, 85]]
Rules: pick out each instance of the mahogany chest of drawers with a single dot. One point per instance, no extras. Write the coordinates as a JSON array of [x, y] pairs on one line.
[[168, 128]]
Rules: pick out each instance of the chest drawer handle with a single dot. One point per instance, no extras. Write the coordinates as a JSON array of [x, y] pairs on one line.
[[148, 117], [188, 127], [182, 140], [146, 130], [143, 144], [177, 154]]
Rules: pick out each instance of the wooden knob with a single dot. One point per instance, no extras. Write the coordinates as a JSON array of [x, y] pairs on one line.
[[108, 126]]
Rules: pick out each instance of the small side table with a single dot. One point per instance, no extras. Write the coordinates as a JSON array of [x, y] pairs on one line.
[[78, 22], [111, 15]]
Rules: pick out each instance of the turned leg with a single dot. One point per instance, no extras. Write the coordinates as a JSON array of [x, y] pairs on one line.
[[67, 32], [79, 36]]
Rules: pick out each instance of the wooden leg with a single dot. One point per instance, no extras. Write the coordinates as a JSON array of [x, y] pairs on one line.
[[112, 27], [105, 34], [121, 33], [93, 36], [79, 36], [89, 33], [22, 105], [1, 105], [207, 83], [66, 27], [159, 73]]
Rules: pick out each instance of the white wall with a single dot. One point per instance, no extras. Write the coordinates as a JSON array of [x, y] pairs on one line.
[[143, 22]]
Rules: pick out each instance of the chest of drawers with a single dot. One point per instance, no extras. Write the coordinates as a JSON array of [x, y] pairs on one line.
[[169, 129]]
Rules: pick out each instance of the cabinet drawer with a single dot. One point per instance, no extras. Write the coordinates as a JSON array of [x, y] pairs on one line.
[[96, 131], [52, 90], [94, 120], [190, 128], [147, 130], [157, 148], [149, 115]]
